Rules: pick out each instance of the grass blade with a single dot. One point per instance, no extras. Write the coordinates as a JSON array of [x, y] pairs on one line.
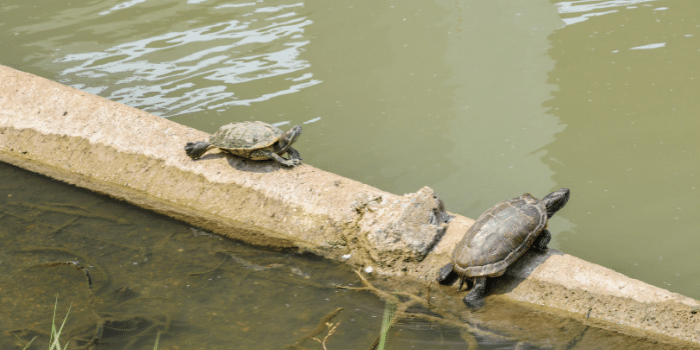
[[387, 320]]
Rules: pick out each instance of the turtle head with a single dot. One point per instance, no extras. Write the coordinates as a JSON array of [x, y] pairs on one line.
[[555, 201], [289, 137]]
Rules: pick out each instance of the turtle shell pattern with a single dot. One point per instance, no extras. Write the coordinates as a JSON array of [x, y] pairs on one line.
[[247, 139], [499, 237]]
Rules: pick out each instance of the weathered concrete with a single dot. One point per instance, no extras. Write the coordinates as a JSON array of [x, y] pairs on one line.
[[131, 155]]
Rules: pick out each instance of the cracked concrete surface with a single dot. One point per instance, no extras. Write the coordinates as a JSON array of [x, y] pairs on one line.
[[134, 156]]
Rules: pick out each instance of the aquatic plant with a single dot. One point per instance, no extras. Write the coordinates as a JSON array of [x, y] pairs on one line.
[[387, 321], [54, 341], [155, 347]]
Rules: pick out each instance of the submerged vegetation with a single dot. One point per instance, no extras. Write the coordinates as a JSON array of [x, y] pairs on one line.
[[54, 341], [56, 332]]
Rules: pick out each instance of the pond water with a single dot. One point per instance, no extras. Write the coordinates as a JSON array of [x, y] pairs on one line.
[[150, 273], [482, 101], [128, 275]]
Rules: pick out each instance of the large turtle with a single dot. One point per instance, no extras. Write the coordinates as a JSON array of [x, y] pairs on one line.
[[498, 238], [251, 140]]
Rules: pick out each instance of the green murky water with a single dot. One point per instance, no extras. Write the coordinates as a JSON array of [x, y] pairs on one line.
[[482, 101], [151, 275]]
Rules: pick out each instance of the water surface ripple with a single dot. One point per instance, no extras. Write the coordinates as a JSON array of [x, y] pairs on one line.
[[191, 64]]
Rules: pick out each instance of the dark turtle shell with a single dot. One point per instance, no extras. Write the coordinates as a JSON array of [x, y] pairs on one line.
[[499, 237], [247, 139]]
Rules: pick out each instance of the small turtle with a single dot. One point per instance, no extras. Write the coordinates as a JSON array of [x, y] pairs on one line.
[[251, 140], [498, 238]]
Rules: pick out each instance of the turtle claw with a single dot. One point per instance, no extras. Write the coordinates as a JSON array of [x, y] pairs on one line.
[[292, 162], [473, 303], [196, 149], [475, 298], [288, 162]]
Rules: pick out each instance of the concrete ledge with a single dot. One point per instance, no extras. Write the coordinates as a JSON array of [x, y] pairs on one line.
[[134, 156]]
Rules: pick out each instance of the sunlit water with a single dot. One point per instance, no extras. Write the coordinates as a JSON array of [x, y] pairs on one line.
[[482, 101]]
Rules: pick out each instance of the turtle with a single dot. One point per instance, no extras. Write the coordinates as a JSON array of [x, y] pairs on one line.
[[498, 238], [251, 140]]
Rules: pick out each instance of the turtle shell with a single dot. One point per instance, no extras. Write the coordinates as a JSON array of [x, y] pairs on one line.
[[499, 237], [247, 139]]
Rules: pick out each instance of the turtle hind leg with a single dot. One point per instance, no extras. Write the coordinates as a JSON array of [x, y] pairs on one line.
[[475, 298], [197, 149], [446, 275]]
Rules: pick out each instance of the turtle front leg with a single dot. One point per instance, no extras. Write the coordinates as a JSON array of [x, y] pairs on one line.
[[541, 242], [475, 298], [197, 149], [279, 159], [293, 154]]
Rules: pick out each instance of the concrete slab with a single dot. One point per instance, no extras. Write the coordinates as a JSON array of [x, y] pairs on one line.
[[134, 156]]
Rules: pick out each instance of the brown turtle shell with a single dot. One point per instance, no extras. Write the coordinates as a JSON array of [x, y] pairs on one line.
[[247, 139], [499, 237]]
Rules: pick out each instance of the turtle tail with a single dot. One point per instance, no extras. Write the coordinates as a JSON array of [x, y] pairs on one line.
[[197, 149]]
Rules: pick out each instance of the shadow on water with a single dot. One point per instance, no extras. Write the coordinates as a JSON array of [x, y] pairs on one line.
[[130, 274]]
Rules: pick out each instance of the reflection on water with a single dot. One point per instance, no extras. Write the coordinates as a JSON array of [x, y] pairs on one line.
[[629, 151], [585, 9]]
